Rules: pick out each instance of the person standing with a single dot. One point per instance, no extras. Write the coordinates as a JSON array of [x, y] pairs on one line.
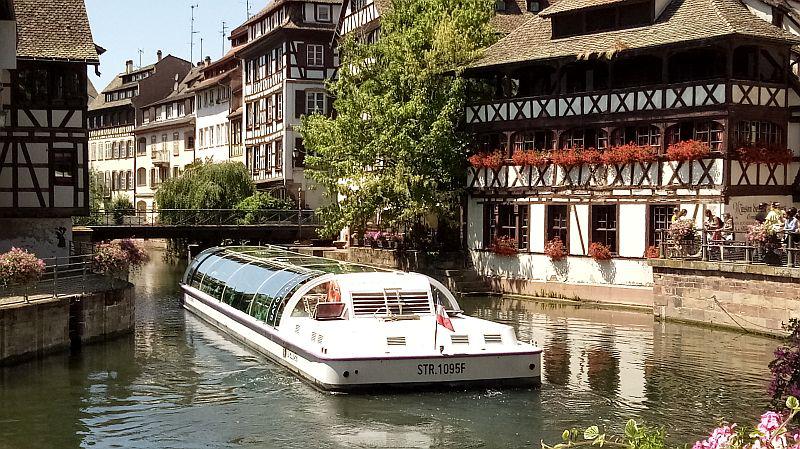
[[761, 215], [727, 227]]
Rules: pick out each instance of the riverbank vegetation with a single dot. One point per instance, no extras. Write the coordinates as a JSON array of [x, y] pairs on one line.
[[393, 148], [774, 431]]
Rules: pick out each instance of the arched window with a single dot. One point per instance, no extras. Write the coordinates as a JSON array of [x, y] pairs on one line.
[[754, 132], [708, 131], [645, 136], [584, 138], [541, 140], [142, 148], [141, 176], [488, 143]]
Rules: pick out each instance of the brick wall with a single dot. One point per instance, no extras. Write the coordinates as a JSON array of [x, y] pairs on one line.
[[757, 298]]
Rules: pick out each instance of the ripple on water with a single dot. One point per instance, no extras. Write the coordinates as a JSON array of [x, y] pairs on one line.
[[178, 383]]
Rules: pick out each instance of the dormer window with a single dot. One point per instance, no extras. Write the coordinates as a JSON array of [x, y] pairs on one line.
[[619, 16], [500, 5], [534, 6], [323, 13]]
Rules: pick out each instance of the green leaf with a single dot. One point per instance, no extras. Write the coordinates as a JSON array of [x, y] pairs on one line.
[[591, 433], [565, 436], [600, 440], [792, 403], [631, 429]]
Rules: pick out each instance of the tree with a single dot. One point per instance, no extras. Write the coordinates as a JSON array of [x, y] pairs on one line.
[[254, 206], [394, 146], [120, 207], [97, 201], [204, 185]]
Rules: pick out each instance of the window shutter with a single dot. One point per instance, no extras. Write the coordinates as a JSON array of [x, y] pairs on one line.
[[299, 103], [302, 55]]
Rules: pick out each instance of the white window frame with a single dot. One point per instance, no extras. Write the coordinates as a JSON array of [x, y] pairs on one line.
[[315, 55], [315, 102]]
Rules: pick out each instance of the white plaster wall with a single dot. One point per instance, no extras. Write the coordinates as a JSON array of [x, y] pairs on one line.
[[793, 137], [632, 229], [579, 229], [572, 270], [37, 235], [213, 116], [536, 227]]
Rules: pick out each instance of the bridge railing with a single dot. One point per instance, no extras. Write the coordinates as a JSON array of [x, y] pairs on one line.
[[202, 217]]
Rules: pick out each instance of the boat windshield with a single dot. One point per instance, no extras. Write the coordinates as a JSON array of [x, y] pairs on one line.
[[259, 280]]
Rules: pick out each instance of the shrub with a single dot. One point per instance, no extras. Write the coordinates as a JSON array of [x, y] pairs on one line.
[[121, 206], [555, 249], [253, 207], [503, 246], [599, 251], [785, 368], [688, 150], [19, 267]]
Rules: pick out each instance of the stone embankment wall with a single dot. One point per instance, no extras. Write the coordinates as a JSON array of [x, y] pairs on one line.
[[757, 298], [34, 329]]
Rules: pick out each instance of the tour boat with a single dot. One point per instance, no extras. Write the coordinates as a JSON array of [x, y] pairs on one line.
[[346, 327]]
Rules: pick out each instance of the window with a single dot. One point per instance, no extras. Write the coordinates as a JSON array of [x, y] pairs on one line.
[[141, 150], [660, 220], [180, 110], [189, 138], [709, 132], [639, 135], [169, 111], [754, 132], [315, 103], [278, 155], [316, 55], [604, 226], [108, 150], [323, 13], [500, 5], [279, 107], [130, 180], [64, 166], [175, 144], [585, 138], [534, 6], [533, 140], [129, 148], [176, 171], [507, 220], [114, 150], [557, 222]]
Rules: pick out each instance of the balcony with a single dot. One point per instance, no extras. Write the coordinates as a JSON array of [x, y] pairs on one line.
[[658, 98], [161, 157]]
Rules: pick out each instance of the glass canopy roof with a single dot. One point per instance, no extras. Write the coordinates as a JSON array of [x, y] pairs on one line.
[[259, 280]]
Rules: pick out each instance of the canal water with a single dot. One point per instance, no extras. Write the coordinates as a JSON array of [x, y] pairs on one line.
[[177, 383]]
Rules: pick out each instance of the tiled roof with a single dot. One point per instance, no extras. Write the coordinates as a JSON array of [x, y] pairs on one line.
[[514, 17], [54, 29], [576, 5], [183, 121], [681, 21]]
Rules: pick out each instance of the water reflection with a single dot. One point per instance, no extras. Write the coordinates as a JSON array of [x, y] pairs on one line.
[[178, 383]]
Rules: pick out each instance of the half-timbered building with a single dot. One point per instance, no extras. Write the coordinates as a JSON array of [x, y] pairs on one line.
[[285, 66], [112, 118], [597, 75], [45, 48]]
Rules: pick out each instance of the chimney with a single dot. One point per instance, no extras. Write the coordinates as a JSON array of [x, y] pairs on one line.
[[208, 61], [159, 54], [200, 64], [177, 83], [129, 66]]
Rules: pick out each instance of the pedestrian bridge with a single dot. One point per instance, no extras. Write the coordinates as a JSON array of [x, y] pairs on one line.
[[266, 226]]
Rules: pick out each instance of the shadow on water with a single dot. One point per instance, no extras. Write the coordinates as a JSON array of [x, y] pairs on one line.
[[178, 383]]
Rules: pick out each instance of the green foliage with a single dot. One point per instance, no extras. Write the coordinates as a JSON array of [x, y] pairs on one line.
[[96, 200], [121, 206], [206, 185], [258, 207], [394, 146], [636, 437]]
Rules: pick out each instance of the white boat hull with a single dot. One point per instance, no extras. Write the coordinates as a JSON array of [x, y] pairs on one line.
[[517, 368]]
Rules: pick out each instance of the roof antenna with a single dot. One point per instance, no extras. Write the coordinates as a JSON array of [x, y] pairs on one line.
[[141, 52], [192, 33], [248, 8], [224, 33]]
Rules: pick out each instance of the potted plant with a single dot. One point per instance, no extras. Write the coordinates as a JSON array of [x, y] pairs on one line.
[[652, 252], [555, 249], [503, 246], [19, 268], [682, 232], [688, 150], [599, 251]]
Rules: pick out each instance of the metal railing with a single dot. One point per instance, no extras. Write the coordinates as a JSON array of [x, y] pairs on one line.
[[63, 276], [202, 217], [732, 246]]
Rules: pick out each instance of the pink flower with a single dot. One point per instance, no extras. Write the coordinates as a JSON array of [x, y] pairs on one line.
[[770, 421], [720, 438]]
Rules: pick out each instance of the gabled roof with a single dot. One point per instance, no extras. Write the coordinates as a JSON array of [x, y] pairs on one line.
[[681, 21], [54, 30], [576, 5]]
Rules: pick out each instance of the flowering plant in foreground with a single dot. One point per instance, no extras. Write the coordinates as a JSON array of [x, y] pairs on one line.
[[785, 368], [19, 267], [118, 256], [503, 246], [772, 432], [757, 233]]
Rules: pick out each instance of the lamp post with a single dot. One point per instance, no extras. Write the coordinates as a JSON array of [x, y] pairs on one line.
[[299, 214]]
